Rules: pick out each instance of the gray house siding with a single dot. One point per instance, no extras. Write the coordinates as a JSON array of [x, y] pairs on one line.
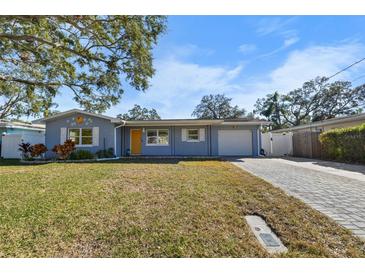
[[53, 131], [119, 143], [150, 150], [186, 148], [177, 147]]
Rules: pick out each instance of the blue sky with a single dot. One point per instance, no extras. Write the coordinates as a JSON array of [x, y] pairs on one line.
[[244, 57]]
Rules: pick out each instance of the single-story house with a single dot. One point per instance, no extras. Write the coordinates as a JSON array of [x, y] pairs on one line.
[[320, 126], [13, 133], [167, 137]]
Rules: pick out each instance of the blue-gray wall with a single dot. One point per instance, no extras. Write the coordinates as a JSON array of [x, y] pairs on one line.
[[177, 147], [150, 150], [106, 131]]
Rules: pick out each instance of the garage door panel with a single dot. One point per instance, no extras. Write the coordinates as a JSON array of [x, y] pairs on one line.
[[235, 142]]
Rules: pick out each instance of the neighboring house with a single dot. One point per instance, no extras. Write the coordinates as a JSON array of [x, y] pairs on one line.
[[14, 133], [170, 137], [320, 126], [303, 140]]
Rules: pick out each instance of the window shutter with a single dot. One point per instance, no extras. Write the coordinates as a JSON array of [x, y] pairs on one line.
[[63, 135], [183, 134], [95, 136], [202, 134]]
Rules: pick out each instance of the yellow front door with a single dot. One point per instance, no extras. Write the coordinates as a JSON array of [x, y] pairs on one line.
[[136, 141]]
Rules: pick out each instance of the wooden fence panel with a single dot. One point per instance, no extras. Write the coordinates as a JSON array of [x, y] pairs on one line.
[[316, 145], [306, 144]]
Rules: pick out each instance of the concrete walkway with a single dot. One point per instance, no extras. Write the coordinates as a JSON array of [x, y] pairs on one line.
[[335, 189]]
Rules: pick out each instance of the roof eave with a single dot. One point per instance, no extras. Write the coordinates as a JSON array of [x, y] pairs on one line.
[[61, 114], [173, 123], [324, 123]]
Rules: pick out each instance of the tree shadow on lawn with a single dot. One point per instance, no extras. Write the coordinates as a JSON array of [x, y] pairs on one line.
[[10, 162]]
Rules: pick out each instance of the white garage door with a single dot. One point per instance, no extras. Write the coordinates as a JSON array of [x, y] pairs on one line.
[[235, 142]]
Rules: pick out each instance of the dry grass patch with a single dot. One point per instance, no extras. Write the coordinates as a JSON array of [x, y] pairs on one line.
[[154, 209]]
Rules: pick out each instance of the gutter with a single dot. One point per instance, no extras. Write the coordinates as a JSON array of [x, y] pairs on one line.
[[115, 136]]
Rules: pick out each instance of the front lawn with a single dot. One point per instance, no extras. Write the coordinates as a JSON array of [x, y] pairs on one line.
[[154, 209]]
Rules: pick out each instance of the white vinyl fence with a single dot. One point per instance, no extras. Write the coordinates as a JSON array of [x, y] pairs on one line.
[[277, 144], [10, 143]]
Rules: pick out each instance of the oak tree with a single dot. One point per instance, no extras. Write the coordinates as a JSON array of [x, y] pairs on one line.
[[88, 58]]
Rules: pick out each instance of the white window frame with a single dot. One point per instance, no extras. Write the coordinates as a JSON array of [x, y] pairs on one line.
[[80, 136], [158, 136], [193, 140]]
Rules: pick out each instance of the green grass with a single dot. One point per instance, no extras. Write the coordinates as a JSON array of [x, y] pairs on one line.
[[154, 209]]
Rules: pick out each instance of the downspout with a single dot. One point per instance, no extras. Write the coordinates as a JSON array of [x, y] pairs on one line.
[[115, 137], [210, 140]]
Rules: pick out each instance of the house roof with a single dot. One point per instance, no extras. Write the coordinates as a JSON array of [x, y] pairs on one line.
[[186, 122], [21, 125], [332, 121], [239, 121], [71, 111]]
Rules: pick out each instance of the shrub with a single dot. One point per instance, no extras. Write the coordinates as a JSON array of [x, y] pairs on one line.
[[26, 150], [81, 155], [105, 153], [64, 151], [38, 149], [344, 144]]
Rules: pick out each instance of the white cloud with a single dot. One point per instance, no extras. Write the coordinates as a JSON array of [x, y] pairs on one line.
[[301, 66], [286, 44], [290, 41], [271, 25], [178, 86], [247, 48], [280, 28]]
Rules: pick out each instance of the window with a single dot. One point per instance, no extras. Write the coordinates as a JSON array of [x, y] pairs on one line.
[[157, 137], [192, 135], [74, 135], [81, 136]]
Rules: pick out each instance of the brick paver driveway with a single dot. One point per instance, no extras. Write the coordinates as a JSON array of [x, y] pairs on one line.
[[335, 189]]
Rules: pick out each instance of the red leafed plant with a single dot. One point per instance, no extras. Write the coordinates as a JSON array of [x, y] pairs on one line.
[[38, 149], [64, 151], [26, 149]]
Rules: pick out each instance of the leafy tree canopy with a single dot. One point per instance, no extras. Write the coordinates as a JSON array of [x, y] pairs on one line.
[[91, 57], [316, 100], [139, 113], [217, 107]]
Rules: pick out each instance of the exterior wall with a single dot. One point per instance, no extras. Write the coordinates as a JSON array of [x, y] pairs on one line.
[[118, 143], [14, 136], [150, 150], [20, 131], [318, 128], [200, 148], [106, 131], [255, 137], [177, 147]]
